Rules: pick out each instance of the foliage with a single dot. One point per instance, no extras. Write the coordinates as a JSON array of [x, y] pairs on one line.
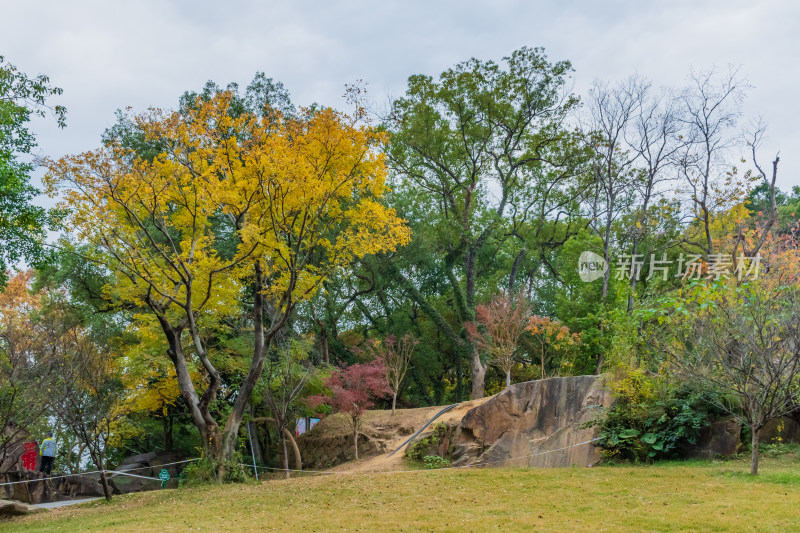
[[419, 450], [22, 224], [204, 471], [283, 202], [24, 396], [396, 357], [551, 336], [225, 253], [485, 159], [652, 419], [352, 390], [433, 462], [503, 321], [743, 341]]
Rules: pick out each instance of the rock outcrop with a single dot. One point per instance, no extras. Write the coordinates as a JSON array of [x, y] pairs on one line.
[[35, 489], [11, 508], [720, 438], [536, 423], [147, 465]]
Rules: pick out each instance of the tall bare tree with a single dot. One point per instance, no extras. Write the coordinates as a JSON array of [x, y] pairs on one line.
[[710, 115]]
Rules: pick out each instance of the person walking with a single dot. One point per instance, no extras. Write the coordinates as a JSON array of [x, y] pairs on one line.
[[48, 451]]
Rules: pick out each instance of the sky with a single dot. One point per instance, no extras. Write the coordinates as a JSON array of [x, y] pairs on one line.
[[140, 53]]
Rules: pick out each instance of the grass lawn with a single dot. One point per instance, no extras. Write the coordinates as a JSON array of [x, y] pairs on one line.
[[698, 496]]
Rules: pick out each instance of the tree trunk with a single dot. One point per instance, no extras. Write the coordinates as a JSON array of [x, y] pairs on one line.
[[394, 401], [508, 378], [754, 451], [188, 392], [285, 457], [478, 374], [323, 342], [107, 492], [298, 460], [255, 445], [512, 277], [261, 343], [355, 443], [542, 362], [167, 425], [284, 434], [106, 487]]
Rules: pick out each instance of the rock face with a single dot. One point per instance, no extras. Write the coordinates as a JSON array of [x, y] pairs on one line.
[[15, 438], [12, 508], [148, 465], [525, 425], [720, 438], [38, 490], [787, 429]]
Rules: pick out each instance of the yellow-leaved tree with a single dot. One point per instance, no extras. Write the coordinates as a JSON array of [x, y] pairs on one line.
[[236, 204]]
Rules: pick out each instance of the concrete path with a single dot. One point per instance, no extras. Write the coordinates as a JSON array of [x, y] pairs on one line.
[[53, 505]]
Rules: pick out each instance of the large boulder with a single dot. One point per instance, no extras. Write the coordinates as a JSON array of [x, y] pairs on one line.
[[28, 486], [536, 423], [35, 489], [785, 429], [147, 465], [9, 508], [719, 438]]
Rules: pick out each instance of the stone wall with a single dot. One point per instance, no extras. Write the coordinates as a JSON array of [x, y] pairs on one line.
[[325, 452]]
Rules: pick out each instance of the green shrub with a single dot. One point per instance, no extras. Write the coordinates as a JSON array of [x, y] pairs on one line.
[[204, 470], [649, 420], [417, 451], [779, 449], [434, 461]]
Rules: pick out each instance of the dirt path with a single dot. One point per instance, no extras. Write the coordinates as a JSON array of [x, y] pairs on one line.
[[409, 419]]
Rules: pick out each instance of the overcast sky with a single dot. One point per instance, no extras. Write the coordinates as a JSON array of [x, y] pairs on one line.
[[107, 55]]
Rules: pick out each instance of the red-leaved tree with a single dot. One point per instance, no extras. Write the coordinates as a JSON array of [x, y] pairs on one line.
[[352, 390], [500, 324]]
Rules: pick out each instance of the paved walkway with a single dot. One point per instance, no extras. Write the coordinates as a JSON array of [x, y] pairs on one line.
[[53, 505]]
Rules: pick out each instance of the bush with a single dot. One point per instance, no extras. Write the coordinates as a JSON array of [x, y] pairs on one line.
[[651, 419], [434, 461], [421, 449], [779, 449], [204, 470]]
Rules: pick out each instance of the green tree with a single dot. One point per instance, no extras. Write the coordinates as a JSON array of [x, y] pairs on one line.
[[487, 155], [22, 225]]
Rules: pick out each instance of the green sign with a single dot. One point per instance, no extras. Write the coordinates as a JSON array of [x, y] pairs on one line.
[[164, 477]]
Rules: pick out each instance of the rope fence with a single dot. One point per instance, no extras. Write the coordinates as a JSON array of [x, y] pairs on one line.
[[476, 465], [114, 473]]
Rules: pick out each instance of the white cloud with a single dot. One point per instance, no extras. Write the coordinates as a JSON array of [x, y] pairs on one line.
[[108, 55]]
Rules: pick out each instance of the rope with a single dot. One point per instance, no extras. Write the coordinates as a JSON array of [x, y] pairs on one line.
[[476, 465], [157, 466], [91, 472], [537, 454], [314, 472]]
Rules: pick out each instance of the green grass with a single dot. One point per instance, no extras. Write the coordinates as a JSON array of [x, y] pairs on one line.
[[696, 496]]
